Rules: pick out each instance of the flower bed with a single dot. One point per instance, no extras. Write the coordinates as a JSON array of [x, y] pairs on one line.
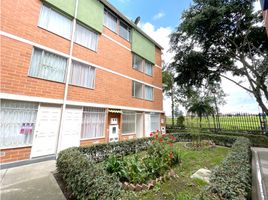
[[157, 160]]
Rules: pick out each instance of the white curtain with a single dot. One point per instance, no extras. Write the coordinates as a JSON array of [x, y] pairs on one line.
[[17, 123], [110, 21], [137, 89], [82, 75], [93, 122], [124, 31], [129, 122], [155, 122], [48, 66], [55, 22], [148, 68], [148, 92], [86, 37], [137, 62]]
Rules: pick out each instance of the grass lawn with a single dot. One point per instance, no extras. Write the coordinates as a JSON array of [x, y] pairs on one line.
[[184, 188]]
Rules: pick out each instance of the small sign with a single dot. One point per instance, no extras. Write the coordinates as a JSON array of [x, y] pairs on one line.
[[26, 128]]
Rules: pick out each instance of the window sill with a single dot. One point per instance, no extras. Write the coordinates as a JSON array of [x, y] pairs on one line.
[[96, 138], [84, 87], [141, 71], [87, 48], [127, 134], [54, 33], [15, 147], [46, 79]]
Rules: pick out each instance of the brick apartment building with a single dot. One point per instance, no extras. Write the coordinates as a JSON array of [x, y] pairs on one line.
[[73, 74]]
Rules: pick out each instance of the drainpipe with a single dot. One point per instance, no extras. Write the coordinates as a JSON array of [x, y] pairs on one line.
[[67, 80]]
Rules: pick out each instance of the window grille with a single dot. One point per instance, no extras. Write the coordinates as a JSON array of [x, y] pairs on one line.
[[129, 122], [18, 121]]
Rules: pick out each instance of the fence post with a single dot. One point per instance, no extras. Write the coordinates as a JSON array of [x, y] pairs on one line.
[[263, 122]]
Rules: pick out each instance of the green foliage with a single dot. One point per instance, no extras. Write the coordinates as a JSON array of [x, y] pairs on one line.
[[100, 152], [225, 32], [85, 179], [180, 121], [232, 178], [158, 159]]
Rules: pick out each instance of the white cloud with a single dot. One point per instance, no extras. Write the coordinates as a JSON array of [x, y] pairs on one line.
[[161, 36], [158, 16]]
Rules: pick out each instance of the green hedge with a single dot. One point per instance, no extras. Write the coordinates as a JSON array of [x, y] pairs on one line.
[[232, 178], [85, 179], [100, 152]]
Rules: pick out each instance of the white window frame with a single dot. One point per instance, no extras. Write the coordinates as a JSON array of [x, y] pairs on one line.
[[103, 132], [152, 68], [133, 62], [142, 90], [43, 51], [91, 32], [129, 113], [59, 13], [83, 86], [152, 93], [127, 29]]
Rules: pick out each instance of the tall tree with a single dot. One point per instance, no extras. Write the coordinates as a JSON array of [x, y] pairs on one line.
[[169, 88], [220, 36]]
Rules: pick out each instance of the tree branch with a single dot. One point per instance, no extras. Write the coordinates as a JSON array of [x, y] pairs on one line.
[[236, 83]]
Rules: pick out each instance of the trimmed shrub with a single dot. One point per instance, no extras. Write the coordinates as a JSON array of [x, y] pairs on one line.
[[84, 178], [101, 152], [232, 178]]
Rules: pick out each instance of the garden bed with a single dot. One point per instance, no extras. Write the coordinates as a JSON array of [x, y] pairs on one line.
[[82, 169]]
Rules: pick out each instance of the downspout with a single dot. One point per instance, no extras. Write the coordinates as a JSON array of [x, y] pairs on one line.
[[67, 79]]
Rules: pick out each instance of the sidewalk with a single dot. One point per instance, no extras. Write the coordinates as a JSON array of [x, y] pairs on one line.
[[259, 173], [34, 181]]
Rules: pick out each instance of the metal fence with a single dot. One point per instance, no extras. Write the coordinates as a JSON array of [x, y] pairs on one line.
[[253, 123]]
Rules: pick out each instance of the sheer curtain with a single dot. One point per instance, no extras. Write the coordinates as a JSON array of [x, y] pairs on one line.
[[137, 89], [129, 122], [110, 21], [137, 62], [48, 65], [17, 123], [93, 122], [148, 68], [124, 31], [82, 75], [155, 122], [55, 22], [148, 92], [86, 37]]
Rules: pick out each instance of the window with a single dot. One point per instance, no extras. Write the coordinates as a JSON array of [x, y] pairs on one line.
[[55, 22], [142, 65], [137, 89], [128, 122], [47, 65], [137, 62], [110, 21], [148, 93], [155, 122], [93, 123], [86, 37], [17, 123], [82, 75], [124, 31], [148, 68]]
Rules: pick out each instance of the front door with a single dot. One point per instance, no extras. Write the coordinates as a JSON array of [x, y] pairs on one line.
[[71, 128], [147, 124], [46, 131]]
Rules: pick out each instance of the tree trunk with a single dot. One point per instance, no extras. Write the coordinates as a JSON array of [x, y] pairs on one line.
[[172, 107]]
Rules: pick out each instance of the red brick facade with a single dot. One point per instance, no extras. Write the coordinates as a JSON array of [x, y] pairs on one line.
[[19, 22]]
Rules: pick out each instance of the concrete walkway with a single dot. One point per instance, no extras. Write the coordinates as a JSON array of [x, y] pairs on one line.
[[259, 173], [34, 181]]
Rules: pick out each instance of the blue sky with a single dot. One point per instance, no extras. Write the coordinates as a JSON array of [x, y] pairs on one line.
[[159, 19], [160, 13]]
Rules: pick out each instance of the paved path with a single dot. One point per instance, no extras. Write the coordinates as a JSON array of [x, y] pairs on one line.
[[260, 173], [30, 182]]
